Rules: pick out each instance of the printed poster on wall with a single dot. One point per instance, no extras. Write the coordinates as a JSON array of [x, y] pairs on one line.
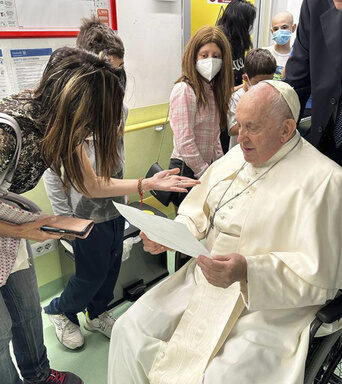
[[28, 66], [34, 18], [4, 83]]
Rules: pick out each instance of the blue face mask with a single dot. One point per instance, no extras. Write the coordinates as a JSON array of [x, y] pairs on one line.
[[282, 36]]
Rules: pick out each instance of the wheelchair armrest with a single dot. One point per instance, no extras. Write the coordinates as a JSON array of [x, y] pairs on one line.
[[331, 311]]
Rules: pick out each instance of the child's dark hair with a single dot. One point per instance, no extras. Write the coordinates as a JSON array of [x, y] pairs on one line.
[[97, 37], [236, 23], [259, 62]]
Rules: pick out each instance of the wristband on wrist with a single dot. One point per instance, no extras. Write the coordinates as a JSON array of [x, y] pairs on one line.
[[140, 190]]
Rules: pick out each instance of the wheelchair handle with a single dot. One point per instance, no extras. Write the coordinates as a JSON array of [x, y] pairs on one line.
[[331, 311]]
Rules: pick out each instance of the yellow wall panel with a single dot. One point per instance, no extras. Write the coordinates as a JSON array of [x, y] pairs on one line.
[[204, 13]]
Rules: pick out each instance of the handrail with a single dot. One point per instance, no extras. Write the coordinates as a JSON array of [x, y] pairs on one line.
[[146, 124]]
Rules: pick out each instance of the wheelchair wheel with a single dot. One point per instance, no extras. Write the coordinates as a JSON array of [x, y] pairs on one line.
[[324, 362]]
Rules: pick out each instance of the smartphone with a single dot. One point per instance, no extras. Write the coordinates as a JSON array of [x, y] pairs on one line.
[[81, 233], [45, 228]]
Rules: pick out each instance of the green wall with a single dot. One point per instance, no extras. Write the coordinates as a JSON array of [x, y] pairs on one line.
[[141, 149]]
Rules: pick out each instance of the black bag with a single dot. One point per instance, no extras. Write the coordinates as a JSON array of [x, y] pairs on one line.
[[7, 197], [178, 197], [163, 196], [13, 208]]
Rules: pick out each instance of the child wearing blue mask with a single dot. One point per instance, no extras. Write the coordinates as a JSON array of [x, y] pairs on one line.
[[282, 29]]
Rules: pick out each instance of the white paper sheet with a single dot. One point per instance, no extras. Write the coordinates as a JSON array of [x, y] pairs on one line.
[[164, 231]]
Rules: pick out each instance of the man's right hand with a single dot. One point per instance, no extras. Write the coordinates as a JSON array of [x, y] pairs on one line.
[[150, 246], [32, 231]]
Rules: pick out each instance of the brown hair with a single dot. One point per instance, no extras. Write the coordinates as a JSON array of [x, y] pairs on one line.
[[97, 37], [223, 82], [80, 95], [260, 62]]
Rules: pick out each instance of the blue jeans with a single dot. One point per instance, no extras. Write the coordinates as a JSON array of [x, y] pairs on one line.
[[21, 321], [97, 262]]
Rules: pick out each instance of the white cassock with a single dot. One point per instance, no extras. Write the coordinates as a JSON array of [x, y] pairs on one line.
[[288, 225]]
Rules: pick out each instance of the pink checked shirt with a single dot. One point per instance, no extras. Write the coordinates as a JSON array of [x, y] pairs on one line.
[[196, 132]]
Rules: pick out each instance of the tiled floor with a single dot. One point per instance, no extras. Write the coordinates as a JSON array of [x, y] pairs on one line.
[[90, 362]]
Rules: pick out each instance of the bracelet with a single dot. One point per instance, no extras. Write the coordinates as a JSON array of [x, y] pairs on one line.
[[140, 190]]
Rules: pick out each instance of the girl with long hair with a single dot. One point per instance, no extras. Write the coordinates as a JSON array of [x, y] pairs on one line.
[[80, 95], [199, 103], [237, 22]]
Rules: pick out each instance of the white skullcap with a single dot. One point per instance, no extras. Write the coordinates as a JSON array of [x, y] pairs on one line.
[[289, 94]]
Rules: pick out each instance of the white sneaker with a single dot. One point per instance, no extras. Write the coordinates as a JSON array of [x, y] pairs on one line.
[[68, 333], [103, 323]]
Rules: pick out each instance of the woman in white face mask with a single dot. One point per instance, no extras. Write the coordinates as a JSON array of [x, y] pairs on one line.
[[199, 104]]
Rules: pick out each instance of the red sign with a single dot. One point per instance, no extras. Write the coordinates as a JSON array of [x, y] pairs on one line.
[[103, 15]]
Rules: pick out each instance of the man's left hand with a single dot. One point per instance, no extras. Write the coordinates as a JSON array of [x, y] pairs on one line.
[[223, 271], [151, 246]]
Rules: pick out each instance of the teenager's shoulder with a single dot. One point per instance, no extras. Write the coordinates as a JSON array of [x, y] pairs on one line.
[[182, 89]]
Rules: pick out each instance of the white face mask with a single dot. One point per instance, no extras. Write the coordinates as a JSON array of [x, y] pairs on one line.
[[209, 67]]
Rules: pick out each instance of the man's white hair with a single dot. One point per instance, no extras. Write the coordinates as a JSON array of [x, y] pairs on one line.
[[277, 107]]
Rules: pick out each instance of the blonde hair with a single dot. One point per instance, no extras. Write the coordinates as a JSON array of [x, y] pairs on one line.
[[78, 96], [223, 82]]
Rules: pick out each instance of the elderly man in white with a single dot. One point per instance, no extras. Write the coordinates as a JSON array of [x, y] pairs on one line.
[[270, 214]]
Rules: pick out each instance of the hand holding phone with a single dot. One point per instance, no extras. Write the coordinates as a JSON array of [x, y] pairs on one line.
[[46, 228], [70, 226]]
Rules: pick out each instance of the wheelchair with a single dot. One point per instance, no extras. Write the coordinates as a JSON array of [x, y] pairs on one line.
[[324, 360]]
